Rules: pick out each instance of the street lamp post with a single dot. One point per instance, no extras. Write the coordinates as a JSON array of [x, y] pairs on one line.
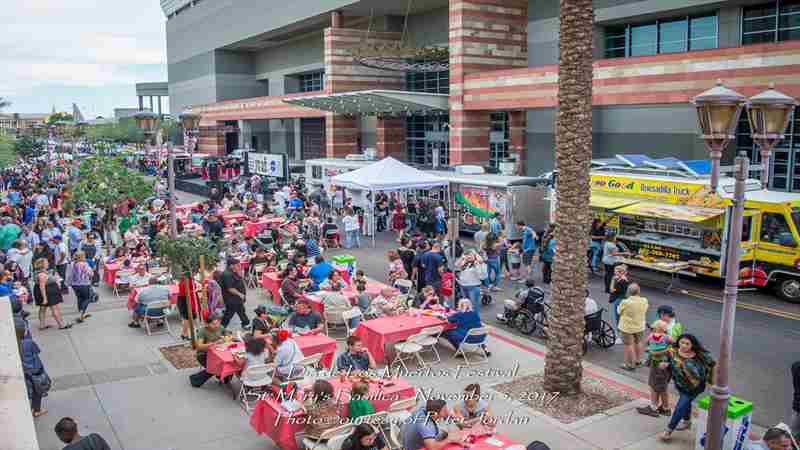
[[51, 131], [718, 111], [146, 121], [769, 114], [79, 129]]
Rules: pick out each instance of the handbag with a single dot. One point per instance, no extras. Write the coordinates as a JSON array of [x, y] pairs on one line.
[[41, 383]]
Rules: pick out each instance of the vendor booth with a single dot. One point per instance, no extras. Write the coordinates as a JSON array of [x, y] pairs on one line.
[[387, 175]]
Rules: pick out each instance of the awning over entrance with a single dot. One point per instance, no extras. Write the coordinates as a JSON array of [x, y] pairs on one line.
[[374, 102], [671, 212]]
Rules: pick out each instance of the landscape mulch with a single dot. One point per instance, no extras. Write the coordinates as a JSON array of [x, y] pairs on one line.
[[181, 356], [596, 397]]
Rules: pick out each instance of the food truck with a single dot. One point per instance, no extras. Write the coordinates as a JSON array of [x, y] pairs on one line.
[[671, 221]]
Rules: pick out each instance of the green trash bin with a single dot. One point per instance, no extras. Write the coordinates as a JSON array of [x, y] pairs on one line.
[[737, 424]]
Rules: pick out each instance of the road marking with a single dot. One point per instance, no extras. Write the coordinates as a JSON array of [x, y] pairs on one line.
[[749, 306]]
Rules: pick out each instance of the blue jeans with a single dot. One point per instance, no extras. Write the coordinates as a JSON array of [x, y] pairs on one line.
[[682, 411], [493, 264], [351, 238], [473, 293], [614, 312], [411, 222], [595, 249]]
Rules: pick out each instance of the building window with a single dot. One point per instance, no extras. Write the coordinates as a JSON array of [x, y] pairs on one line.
[[423, 133], [771, 22], [431, 82], [311, 82], [498, 138], [675, 35]]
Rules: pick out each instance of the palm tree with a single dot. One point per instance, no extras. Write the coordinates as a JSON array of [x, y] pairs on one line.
[[563, 370], [4, 103]]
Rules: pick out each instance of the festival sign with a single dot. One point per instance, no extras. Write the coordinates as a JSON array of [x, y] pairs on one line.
[[666, 191]]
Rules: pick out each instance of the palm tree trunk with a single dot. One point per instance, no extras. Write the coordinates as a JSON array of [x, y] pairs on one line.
[[563, 370]]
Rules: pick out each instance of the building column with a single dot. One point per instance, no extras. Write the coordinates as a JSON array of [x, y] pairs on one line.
[[517, 138], [159, 106], [151, 104], [469, 136], [391, 137], [484, 36], [336, 19], [298, 140], [141, 103], [341, 135]]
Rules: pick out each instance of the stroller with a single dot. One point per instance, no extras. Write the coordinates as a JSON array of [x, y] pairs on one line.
[[531, 314]]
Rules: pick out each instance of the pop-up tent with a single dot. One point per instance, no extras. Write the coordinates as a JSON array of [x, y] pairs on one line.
[[388, 175]]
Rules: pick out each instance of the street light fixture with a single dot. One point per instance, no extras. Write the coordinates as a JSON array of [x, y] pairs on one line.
[[146, 121], [718, 111], [769, 114]]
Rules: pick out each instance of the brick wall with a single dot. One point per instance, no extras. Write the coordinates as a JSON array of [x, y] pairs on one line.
[[485, 35]]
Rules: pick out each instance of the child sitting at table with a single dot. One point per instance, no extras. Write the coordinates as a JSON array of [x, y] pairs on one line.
[[255, 352], [360, 277], [384, 304], [363, 299], [359, 404], [431, 300], [473, 410]]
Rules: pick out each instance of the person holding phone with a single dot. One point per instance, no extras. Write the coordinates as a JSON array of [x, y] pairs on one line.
[[356, 358]]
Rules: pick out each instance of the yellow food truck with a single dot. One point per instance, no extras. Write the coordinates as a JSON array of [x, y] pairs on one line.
[[672, 222]]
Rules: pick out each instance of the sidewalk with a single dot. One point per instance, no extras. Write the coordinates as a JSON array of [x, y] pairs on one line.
[[114, 381]]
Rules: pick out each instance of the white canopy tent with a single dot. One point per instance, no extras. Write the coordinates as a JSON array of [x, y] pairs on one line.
[[388, 175]]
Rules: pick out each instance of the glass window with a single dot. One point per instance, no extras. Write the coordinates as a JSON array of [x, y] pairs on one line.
[[432, 82], [664, 36], [771, 22], [775, 230], [498, 148], [310, 82], [747, 227], [644, 40], [616, 42], [672, 36], [703, 32]]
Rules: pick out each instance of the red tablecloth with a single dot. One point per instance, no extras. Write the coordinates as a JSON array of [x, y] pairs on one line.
[[173, 295], [270, 418], [481, 444], [271, 281], [186, 207], [110, 272], [380, 332], [222, 364], [253, 228], [231, 218]]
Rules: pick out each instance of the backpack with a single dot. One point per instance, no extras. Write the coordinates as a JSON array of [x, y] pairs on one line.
[[537, 445]]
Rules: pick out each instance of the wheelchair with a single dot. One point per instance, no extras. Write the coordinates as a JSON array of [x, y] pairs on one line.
[[598, 331], [529, 317]]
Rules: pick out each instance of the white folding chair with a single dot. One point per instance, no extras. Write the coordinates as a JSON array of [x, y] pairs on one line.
[[404, 285], [121, 282], [349, 315], [157, 312], [254, 379], [399, 412], [333, 318], [330, 439], [474, 348], [255, 275], [428, 338], [407, 351]]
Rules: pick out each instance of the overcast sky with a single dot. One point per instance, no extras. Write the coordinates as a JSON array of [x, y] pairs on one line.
[[89, 52]]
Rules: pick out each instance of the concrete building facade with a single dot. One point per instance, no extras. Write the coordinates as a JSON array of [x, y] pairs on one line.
[[258, 72], [17, 123]]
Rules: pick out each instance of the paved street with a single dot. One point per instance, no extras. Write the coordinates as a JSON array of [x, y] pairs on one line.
[[759, 373]]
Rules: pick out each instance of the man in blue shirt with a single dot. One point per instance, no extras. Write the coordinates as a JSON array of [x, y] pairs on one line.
[[320, 271], [29, 214], [74, 236], [431, 261], [422, 431], [528, 249], [13, 197]]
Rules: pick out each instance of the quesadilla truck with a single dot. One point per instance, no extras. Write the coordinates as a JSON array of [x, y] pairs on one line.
[[664, 212]]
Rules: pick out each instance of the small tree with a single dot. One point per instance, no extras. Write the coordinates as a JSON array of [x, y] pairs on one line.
[[7, 154], [186, 256], [58, 117], [104, 182], [28, 147]]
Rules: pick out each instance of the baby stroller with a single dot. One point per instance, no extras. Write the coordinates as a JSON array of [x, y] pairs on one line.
[[529, 316]]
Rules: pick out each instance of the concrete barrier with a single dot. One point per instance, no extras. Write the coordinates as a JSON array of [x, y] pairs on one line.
[[16, 419]]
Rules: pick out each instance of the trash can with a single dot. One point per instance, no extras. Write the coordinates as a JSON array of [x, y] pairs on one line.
[[346, 265], [737, 425]]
